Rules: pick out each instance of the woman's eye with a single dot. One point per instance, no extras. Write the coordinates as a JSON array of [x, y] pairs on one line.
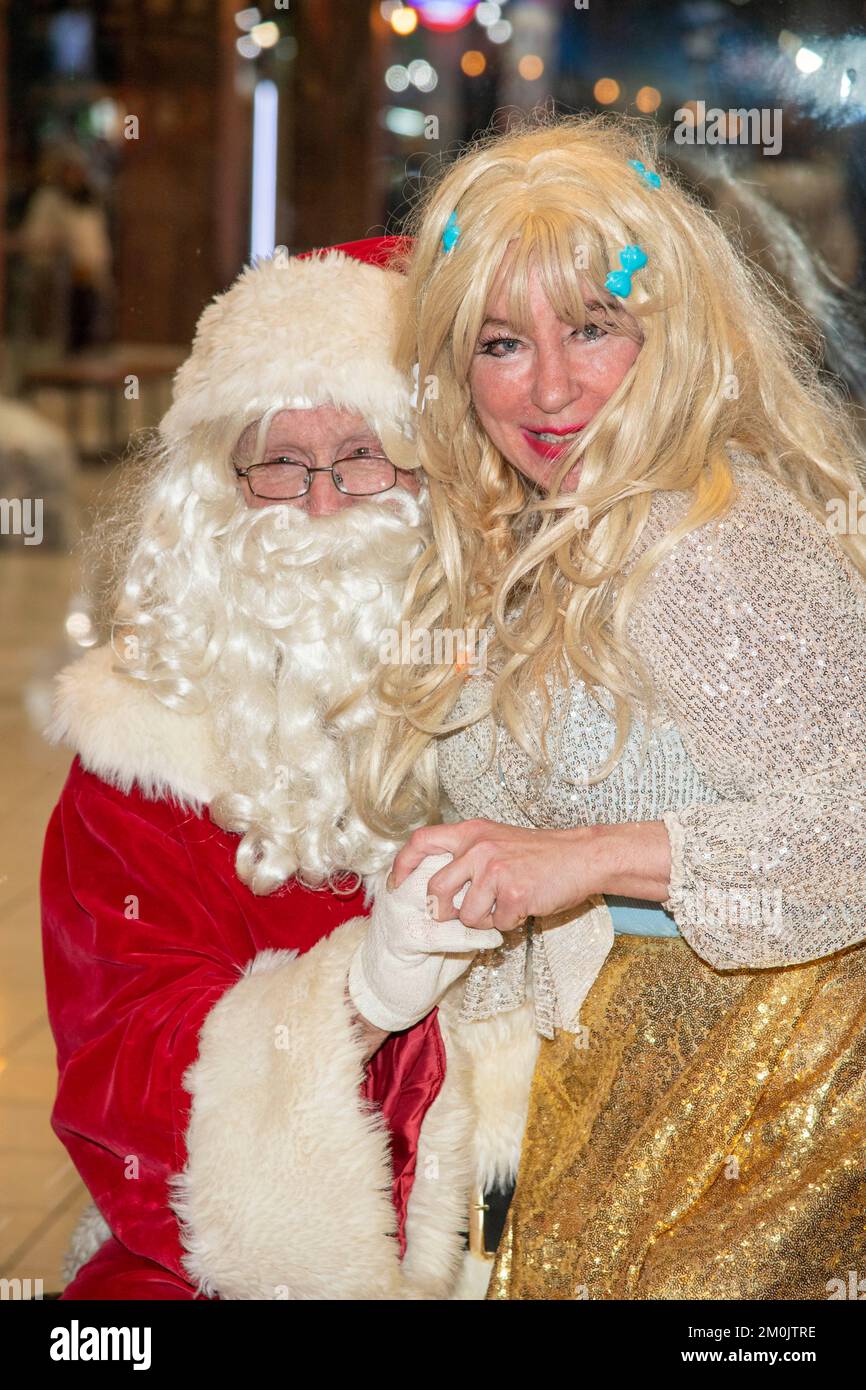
[[596, 331], [509, 344]]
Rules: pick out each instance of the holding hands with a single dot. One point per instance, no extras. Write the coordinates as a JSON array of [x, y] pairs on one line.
[[514, 872], [408, 959], [454, 889]]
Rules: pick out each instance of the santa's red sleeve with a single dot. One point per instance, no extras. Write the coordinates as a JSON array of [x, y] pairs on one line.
[[212, 1090]]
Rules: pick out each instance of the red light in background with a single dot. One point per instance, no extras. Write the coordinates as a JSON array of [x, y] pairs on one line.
[[443, 16]]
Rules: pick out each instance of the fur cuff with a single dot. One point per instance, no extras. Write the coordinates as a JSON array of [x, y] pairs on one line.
[[437, 1214], [287, 1188], [474, 1278], [502, 1053]]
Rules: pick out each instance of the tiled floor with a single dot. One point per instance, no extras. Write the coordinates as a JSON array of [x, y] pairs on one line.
[[40, 1193]]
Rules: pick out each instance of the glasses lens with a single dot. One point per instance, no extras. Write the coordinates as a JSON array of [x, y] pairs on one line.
[[365, 476], [278, 481]]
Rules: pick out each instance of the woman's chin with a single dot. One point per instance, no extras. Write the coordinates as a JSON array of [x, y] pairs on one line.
[[538, 470], [545, 476]]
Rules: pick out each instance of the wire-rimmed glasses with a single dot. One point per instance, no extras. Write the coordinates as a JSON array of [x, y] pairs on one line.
[[284, 479]]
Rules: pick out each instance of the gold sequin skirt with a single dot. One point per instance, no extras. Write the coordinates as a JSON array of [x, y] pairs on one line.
[[705, 1137]]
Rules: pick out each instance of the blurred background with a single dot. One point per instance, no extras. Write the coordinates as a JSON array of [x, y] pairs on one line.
[[149, 148]]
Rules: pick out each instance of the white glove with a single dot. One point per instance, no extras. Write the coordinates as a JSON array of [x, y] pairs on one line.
[[407, 960]]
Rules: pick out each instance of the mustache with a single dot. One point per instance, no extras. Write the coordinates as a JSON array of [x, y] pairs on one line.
[[257, 541], [295, 575]]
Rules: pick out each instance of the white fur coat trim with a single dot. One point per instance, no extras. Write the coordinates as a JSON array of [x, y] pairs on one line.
[[287, 1190], [310, 1178], [501, 1053], [124, 735]]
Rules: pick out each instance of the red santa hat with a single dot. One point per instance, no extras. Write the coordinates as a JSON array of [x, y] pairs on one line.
[[298, 332]]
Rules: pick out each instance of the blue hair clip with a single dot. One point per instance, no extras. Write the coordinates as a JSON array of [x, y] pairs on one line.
[[651, 179], [451, 233], [631, 258]]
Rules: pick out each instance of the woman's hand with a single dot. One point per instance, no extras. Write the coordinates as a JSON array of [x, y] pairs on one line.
[[408, 958], [515, 873]]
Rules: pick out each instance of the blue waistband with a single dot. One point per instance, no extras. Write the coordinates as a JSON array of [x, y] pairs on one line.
[[635, 917]]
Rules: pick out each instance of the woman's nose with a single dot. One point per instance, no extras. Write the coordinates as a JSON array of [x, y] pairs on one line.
[[554, 386], [324, 498]]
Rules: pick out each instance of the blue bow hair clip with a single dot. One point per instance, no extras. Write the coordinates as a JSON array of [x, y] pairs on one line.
[[631, 258], [451, 233], [651, 179]]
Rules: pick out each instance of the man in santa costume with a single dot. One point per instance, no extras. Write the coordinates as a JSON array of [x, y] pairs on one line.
[[215, 920]]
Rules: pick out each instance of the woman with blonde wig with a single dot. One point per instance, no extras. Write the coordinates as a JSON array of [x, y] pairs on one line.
[[647, 500]]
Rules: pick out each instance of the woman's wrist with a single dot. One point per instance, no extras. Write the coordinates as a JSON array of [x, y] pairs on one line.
[[631, 860]]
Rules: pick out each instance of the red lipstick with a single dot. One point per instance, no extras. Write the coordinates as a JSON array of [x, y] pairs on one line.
[[545, 447]]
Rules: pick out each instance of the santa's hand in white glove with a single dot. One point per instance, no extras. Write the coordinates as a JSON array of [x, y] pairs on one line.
[[408, 960]]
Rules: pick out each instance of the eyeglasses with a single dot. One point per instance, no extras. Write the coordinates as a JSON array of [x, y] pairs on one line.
[[281, 480]]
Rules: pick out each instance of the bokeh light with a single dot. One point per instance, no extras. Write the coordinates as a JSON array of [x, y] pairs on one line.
[[245, 19], [397, 78], [473, 62], [530, 67], [445, 16], [405, 20], [266, 35], [807, 60], [500, 32], [423, 75], [648, 99], [606, 90]]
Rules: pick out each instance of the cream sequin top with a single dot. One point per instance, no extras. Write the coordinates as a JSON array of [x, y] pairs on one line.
[[753, 630]]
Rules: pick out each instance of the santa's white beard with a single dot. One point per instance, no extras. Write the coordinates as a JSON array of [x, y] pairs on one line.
[[307, 601]]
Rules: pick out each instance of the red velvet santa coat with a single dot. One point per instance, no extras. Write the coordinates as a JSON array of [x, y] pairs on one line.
[[212, 1090]]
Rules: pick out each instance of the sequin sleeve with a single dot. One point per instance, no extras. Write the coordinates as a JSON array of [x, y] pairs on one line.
[[754, 631]]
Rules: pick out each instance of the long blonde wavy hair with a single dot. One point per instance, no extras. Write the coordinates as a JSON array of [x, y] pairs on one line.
[[719, 364]]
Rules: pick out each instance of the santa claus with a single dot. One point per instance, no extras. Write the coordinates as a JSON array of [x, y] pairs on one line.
[[255, 1081]]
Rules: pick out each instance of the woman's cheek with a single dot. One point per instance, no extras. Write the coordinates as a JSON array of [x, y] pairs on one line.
[[617, 362], [497, 389]]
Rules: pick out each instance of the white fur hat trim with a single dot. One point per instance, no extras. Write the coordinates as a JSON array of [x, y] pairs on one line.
[[295, 334]]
